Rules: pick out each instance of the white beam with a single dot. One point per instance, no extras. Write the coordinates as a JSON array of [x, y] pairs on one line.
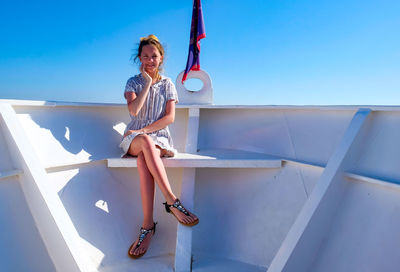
[[55, 227], [183, 251], [300, 246]]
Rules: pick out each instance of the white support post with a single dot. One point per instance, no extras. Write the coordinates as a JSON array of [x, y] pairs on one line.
[[183, 252], [298, 250], [192, 130]]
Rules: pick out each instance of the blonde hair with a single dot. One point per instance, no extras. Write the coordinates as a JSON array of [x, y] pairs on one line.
[[150, 40]]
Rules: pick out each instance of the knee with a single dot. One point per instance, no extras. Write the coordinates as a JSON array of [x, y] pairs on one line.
[[146, 142], [140, 159]]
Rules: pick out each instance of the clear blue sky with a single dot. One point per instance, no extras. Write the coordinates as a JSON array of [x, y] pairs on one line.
[[268, 52]]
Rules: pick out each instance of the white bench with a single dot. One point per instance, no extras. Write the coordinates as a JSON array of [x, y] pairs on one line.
[[219, 158]]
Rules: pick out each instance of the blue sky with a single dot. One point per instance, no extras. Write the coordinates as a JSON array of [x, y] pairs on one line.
[[270, 52]]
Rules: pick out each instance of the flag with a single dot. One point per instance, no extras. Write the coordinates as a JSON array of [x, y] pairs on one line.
[[197, 32]]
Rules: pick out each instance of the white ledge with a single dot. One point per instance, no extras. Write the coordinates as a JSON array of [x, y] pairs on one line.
[[381, 182], [210, 159], [10, 173], [42, 103], [70, 164]]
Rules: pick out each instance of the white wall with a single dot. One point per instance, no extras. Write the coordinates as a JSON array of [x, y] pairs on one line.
[[246, 213], [379, 155], [309, 135]]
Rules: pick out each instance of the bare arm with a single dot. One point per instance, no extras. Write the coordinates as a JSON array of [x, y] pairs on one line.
[[135, 102], [164, 121]]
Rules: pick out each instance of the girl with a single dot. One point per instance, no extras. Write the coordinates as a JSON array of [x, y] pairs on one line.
[[151, 100]]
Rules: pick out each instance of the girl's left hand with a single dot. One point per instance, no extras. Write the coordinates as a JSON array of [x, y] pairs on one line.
[[138, 131]]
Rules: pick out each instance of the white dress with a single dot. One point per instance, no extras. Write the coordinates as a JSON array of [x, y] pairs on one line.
[[153, 109]]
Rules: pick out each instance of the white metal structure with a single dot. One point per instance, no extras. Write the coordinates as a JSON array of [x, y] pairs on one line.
[[276, 188]]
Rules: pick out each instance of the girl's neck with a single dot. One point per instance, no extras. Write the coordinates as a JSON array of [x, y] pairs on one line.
[[155, 76]]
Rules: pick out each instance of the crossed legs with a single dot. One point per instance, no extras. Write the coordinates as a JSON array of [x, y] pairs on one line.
[[151, 169]]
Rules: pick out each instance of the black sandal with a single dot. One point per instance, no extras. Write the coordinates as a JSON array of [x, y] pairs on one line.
[[178, 205], [143, 234]]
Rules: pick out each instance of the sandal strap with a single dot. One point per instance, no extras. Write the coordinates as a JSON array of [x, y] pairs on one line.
[[144, 232], [178, 205]]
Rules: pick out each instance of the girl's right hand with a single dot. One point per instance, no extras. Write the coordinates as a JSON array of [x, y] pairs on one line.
[[145, 75]]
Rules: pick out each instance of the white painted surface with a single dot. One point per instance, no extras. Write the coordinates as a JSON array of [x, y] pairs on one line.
[[47, 104], [19, 235], [380, 182], [106, 236], [380, 140], [10, 173], [302, 243], [203, 96], [21, 247], [248, 212], [184, 237], [90, 132], [245, 212], [215, 264], [5, 162], [363, 236], [52, 222], [210, 159], [307, 135]]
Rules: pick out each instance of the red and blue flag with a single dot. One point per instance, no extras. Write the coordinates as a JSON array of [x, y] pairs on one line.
[[197, 32]]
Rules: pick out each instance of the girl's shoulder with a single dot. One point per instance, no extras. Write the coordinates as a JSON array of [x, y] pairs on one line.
[[166, 80], [136, 79]]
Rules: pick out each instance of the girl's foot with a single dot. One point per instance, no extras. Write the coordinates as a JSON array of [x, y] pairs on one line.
[[182, 215], [140, 246]]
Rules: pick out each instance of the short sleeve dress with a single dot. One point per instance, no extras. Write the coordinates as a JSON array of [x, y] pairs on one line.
[[152, 110]]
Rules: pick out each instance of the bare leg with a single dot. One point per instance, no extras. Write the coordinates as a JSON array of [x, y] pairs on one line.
[[147, 191], [144, 144]]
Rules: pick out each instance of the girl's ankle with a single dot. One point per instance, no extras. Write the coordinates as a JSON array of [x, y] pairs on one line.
[[148, 225]]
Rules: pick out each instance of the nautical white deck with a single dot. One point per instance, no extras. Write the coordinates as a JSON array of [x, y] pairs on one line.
[[289, 189]]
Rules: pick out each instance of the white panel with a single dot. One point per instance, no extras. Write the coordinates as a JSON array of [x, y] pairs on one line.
[[63, 135], [105, 208], [363, 236], [309, 135], [308, 174], [21, 247], [5, 162], [179, 129], [316, 133], [50, 218], [245, 214], [257, 130], [379, 155], [308, 232]]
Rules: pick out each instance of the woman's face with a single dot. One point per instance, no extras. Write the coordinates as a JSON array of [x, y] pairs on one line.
[[150, 58]]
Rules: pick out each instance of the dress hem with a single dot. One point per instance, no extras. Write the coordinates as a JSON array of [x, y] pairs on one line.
[[127, 140]]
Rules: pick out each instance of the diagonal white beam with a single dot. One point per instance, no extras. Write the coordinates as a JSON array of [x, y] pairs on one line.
[[53, 222], [300, 246]]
